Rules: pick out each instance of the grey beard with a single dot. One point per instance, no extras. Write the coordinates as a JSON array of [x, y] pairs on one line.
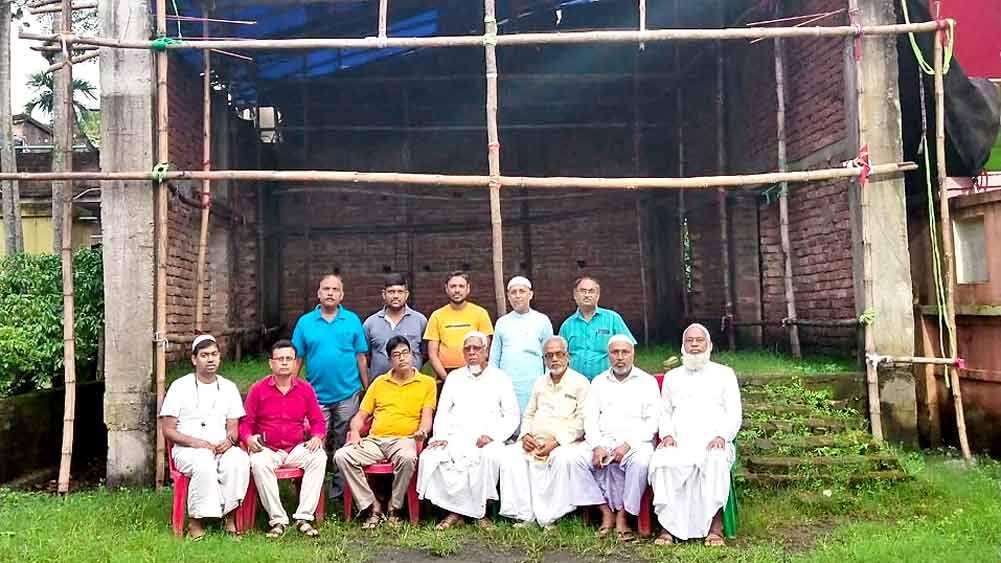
[[476, 369], [695, 362], [623, 372]]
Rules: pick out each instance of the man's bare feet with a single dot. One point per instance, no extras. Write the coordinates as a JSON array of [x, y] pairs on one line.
[[485, 524], [622, 529], [229, 522], [195, 529], [714, 540], [607, 521], [665, 538], [451, 520]]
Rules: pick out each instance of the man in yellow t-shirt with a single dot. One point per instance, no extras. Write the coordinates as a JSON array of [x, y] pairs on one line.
[[400, 405], [449, 325]]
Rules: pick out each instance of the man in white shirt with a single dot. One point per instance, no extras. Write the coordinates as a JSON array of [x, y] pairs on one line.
[[620, 419], [547, 472], [690, 471], [477, 412], [200, 416]]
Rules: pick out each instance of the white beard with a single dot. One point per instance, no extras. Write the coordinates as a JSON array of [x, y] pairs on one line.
[[695, 362], [476, 369], [621, 373]]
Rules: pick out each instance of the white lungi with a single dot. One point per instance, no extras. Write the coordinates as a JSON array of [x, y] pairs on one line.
[[543, 492], [460, 478], [218, 482]]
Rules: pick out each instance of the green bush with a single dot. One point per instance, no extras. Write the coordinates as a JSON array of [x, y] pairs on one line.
[[31, 319]]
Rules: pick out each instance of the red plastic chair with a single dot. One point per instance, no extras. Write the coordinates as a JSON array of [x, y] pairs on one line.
[[180, 509], [386, 468], [248, 510], [643, 518]]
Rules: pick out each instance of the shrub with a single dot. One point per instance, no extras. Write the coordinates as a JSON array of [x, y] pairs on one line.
[[31, 318]]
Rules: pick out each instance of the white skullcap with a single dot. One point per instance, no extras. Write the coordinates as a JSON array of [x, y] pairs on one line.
[[199, 339], [620, 338], [519, 280], [475, 334]]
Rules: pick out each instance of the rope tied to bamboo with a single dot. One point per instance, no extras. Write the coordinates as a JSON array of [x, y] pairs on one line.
[[855, 17], [867, 317], [159, 172], [490, 31], [164, 42], [950, 35]]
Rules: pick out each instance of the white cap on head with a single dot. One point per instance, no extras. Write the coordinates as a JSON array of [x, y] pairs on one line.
[[199, 339], [475, 334], [519, 280], [620, 338]]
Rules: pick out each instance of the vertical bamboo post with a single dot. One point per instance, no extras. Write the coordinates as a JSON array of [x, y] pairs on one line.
[[160, 310], [64, 119], [784, 198], [721, 164], [679, 112], [868, 293], [383, 17], [206, 199], [493, 151], [638, 172], [947, 246]]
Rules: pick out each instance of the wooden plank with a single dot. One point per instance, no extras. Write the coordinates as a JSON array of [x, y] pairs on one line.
[[971, 310]]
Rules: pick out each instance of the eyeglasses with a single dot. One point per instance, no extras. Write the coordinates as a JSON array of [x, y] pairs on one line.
[[588, 291], [473, 348], [551, 355], [283, 360], [400, 355]]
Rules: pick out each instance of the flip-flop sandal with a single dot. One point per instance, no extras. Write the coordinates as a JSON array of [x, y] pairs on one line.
[[394, 520], [195, 539], [625, 535], [307, 529], [485, 524], [664, 539], [714, 540], [373, 521], [604, 531], [448, 522], [276, 531]]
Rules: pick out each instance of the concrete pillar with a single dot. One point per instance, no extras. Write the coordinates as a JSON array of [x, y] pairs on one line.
[[127, 215], [885, 220]]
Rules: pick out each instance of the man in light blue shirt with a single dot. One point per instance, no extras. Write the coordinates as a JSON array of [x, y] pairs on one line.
[[518, 338], [396, 318], [589, 328], [332, 342]]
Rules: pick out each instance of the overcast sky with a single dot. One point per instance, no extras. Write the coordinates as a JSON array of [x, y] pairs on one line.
[[24, 61]]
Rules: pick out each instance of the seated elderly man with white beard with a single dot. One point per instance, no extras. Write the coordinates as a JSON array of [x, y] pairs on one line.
[[477, 412], [620, 419], [690, 471]]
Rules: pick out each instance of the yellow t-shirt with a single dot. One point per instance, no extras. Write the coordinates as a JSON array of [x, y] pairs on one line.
[[395, 408], [448, 327]]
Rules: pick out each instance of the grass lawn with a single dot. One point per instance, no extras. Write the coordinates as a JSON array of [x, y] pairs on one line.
[[946, 513], [649, 358]]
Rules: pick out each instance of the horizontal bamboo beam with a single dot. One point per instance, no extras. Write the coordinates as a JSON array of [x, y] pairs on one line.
[[56, 8], [471, 181], [958, 362], [189, 338], [561, 38], [74, 60]]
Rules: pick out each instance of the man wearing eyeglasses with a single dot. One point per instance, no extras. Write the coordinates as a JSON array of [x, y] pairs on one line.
[[274, 434], [590, 328]]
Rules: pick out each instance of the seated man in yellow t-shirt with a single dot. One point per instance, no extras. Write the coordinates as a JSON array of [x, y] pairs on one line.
[[400, 404], [449, 325]]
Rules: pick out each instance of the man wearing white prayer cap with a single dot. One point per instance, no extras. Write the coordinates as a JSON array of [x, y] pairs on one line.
[[200, 415], [690, 471], [620, 419], [477, 412], [518, 336]]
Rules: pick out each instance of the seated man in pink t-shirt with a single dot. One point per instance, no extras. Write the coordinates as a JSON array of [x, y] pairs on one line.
[[277, 408]]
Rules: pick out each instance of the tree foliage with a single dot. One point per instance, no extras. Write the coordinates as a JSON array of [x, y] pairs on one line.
[[31, 318]]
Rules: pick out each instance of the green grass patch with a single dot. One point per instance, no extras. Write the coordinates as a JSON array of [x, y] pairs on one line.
[[945, 513]]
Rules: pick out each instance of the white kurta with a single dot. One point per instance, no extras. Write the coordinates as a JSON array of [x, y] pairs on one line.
[[690, 482], [544, 490], [218, 482], [622, 412], [460, 477]]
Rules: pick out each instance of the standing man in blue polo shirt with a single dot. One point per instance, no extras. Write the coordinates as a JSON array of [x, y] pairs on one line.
[[332, 341], [587, 331]]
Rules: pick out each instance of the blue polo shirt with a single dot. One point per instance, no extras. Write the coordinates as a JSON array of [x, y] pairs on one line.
[[330, 350], [588, 340]]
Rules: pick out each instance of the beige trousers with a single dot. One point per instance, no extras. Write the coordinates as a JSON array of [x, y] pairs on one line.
[[314, 464], [352, 460]]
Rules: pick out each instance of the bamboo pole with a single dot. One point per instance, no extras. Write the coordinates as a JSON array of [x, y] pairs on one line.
[[637, 171], [679, 116], [160, 309], [868, 289], [383, 17], [11, 191], [552, 38], [945, 226], [493, 152], [206, 199], [452, 181], [53, 8], [64, 118], [721, 165], [790, 294]]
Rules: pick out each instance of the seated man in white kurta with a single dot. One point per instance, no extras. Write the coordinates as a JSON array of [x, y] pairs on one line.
[[477, 412], [690, 471], [547, 472], [620, 419], [200, 416]]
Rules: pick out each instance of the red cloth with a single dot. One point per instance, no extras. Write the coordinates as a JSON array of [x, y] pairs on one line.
[[282, 418]]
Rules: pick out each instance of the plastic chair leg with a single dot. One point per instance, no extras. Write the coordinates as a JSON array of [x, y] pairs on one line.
[[321, 507], [730, 512], [643, 519], [413, 503], [347, 503], [248, 510], [180, 506]]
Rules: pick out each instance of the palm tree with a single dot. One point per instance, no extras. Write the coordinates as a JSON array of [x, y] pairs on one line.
[[42, 84]]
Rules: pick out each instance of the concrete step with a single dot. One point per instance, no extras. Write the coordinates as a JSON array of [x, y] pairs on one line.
[[811, 442], [811, 425], [782, 479], [787, 465]]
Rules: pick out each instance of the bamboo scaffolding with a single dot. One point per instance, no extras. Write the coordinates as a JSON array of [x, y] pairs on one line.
[[73, 60], [64, 118], [638, 170], [790, 295], [721, 164], [383, 17], [206, 199], [53, 8], [452, 181], [868, 289], [560, 38], [679, 112], [945, 225], [493, 152], [160, 308]]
